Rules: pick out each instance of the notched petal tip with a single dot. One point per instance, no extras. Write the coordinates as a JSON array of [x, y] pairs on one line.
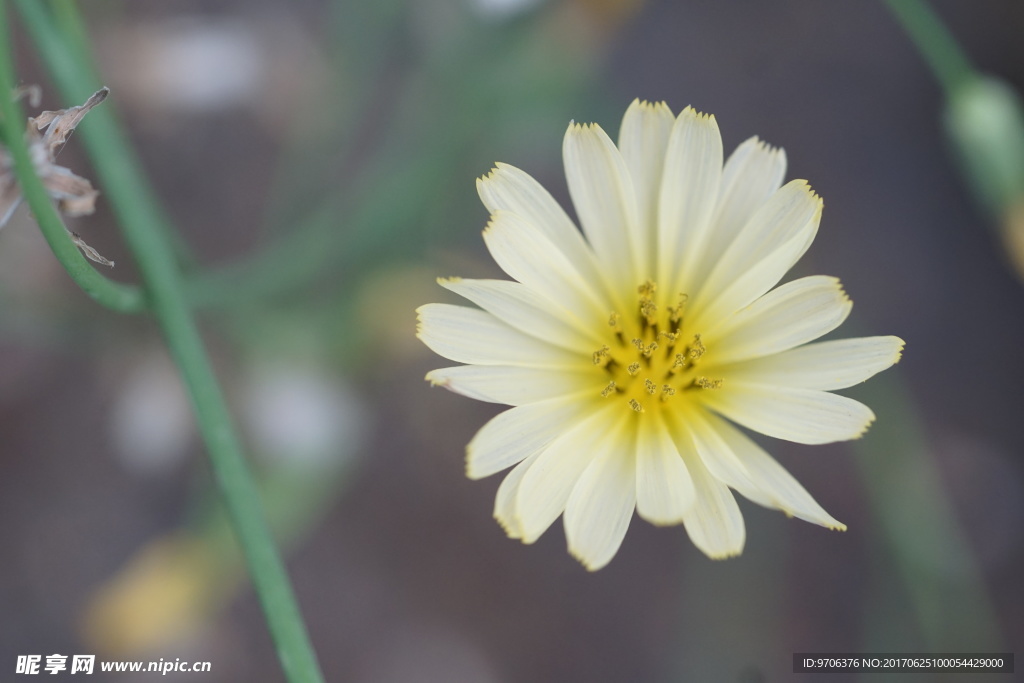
[[898, 352], [510, 530], [648, 106], [419, 322], [524, 537], [867, 425], [483, 179], [729, 554], [829, 522], [663, 521], [436, 380], [490, 226], [473, 473], [491, 176], [799, 184], [587, 564], [580, 129], [698, 117]]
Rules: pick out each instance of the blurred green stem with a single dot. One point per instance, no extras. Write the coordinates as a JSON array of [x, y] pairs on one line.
[[934, 41], [920, 528], [146, 234]]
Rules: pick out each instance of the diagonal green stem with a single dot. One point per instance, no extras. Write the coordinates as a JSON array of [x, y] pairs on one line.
[[144, 232], [934, 41]]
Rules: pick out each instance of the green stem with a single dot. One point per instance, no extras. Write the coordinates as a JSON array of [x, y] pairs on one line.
[[933, 40], [920, 528], [114, 295], [143, 230]]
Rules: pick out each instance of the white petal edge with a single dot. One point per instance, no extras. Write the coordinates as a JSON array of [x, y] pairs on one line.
[[602, 193], [664, 489], [786, 317], [518, 433], [827, 366], [546, 486], [600, 507], [752, 174], [507, 188], [800, 415], [525, 253], [773, 486], [689, 190], [643, 139], [468, 335], [509, 384], [505, 500], [721, 462], [714, 522], [520, 307], [766, 248]]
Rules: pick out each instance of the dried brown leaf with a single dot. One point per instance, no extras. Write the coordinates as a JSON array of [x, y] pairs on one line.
[[89, 252]]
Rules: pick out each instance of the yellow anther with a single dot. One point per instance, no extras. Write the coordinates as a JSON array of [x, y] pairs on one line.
[[667, 391], [697, 348], [608, 390], [635, 405], [671, 336], [613, 321], [649, 310], [633, 369], [601, 355], [647, 350], [680, 362], [675, 313], [651, 387], [705, 383], [648, 288]]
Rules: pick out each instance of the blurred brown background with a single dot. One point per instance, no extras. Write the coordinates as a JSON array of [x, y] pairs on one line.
[[252, 116]]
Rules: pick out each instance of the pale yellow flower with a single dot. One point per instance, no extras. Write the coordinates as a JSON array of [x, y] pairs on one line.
[[628, 351]]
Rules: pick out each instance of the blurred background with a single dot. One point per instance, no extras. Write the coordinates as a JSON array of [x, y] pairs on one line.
[[318, 159]]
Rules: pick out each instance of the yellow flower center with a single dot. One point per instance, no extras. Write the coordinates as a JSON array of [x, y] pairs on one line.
[[651, 359]]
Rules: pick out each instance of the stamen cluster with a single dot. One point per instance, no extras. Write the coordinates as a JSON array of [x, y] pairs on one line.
[[651, 357]]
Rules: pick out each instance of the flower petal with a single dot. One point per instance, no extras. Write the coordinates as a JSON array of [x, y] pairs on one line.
[[506, 188], [664, 489], [773, 486], [547, 484], [714, 522], [526, 254], [768, 245], [801, 415], [752, 174], [788, 316], [518, 433], [505, 500], [519, 306], [826, 365], [601, 504], [689, 190], [643, 139], [467, 335], [719, 460], [511, 385], [602, 192]]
